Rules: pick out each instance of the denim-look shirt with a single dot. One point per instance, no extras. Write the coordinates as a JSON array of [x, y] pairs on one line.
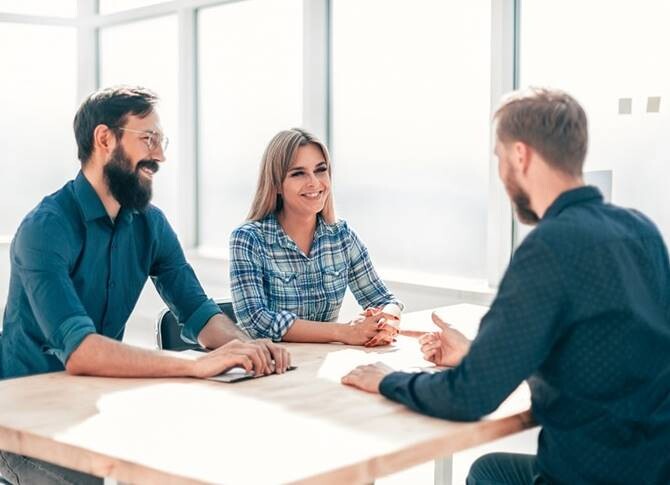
[[583, 313], [273, 282], [74, 272]]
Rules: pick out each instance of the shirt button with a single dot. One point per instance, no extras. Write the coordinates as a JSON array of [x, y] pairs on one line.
[[112, 284]]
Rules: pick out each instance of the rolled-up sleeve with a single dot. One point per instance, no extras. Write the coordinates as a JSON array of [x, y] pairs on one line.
[[178, 285], [42, 264], [365, 283], [246, 285]]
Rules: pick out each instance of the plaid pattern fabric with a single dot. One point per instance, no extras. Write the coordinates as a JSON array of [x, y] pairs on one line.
[[273, 283]]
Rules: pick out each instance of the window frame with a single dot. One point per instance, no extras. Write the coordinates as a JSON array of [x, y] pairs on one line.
[[317, 99]]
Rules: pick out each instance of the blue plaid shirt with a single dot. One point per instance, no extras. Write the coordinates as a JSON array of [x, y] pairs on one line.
[[273, 283]]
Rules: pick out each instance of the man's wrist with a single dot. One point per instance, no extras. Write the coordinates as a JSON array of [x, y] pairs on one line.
[[379, 384], [185, 367], [218, 331], [243, 337], [465, 348], [380, 387]]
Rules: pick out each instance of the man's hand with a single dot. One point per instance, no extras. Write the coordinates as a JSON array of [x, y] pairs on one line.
[[445, 348], [367, 377], [254, 356], [278, 354]]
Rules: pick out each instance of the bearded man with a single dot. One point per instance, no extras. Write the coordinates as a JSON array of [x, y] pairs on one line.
[[80, 259], [582, 313]]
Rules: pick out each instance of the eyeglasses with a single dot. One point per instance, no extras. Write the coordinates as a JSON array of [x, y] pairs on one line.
[[153, 139]]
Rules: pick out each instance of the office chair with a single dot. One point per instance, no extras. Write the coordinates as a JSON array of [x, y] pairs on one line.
[[168, 329]]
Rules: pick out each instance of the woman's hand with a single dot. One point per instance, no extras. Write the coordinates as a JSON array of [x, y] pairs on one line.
[[362, 329], [387, 325]]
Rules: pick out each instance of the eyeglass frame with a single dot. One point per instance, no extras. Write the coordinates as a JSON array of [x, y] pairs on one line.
[[150, 142]]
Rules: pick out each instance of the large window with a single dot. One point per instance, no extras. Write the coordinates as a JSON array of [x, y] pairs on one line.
[[411, 109], [250, 87], [61, 8], [38, 100], [145, 53], [113, 6], [619, 77], [407, 117]]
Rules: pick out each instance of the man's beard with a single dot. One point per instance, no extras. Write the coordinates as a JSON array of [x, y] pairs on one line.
[[521, 202], [126, 184]]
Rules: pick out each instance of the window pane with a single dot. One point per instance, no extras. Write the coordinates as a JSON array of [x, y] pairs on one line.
[[250, 88], [48, 8], [145, 53], [112, 6], [411, 109], [623, 61], [38, 149]]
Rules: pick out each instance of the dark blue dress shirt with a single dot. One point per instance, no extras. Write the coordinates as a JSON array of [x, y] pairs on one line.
[[74, 272], [582, 313]]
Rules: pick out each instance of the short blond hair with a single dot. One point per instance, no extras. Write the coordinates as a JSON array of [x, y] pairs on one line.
[[275, 164]]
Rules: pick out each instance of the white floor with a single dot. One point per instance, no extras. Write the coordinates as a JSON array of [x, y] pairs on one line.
[[214, 277]]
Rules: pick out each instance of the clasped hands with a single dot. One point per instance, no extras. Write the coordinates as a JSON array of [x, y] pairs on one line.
[[373, 328]]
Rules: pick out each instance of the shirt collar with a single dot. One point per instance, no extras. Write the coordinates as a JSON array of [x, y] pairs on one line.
[[91, 205], [274, 233], [322, 228], [580, 195], [126, 215]]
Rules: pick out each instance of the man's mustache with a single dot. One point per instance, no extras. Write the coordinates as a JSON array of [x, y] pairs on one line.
[[148, 164]]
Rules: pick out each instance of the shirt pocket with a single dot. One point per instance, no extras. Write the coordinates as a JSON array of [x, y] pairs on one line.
[[282, 290], [335, 284]]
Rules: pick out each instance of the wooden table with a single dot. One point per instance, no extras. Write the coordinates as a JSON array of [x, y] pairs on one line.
[[301, 427]]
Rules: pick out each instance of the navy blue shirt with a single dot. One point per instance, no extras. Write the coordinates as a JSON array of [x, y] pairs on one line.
[[582, 313], [74, 272]]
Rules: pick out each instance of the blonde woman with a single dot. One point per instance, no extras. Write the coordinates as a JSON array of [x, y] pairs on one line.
[[291, 263]]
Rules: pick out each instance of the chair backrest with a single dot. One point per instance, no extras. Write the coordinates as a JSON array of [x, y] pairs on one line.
[[168, 329]]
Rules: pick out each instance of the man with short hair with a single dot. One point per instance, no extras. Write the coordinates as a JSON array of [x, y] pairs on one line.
[[582, 313], [80, 259]]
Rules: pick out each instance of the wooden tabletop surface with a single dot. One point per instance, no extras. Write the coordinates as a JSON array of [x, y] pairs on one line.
[[302, 427]]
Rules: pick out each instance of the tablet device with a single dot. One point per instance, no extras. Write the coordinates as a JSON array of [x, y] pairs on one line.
[[237, 374], [234, 374]]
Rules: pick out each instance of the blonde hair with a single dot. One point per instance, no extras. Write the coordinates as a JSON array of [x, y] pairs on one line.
[[276, 161]]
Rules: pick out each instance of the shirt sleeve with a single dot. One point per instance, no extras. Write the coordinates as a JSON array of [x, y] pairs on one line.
[[178, 285], [41, 256], [515, 337], [366, 285], [250, 302]]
